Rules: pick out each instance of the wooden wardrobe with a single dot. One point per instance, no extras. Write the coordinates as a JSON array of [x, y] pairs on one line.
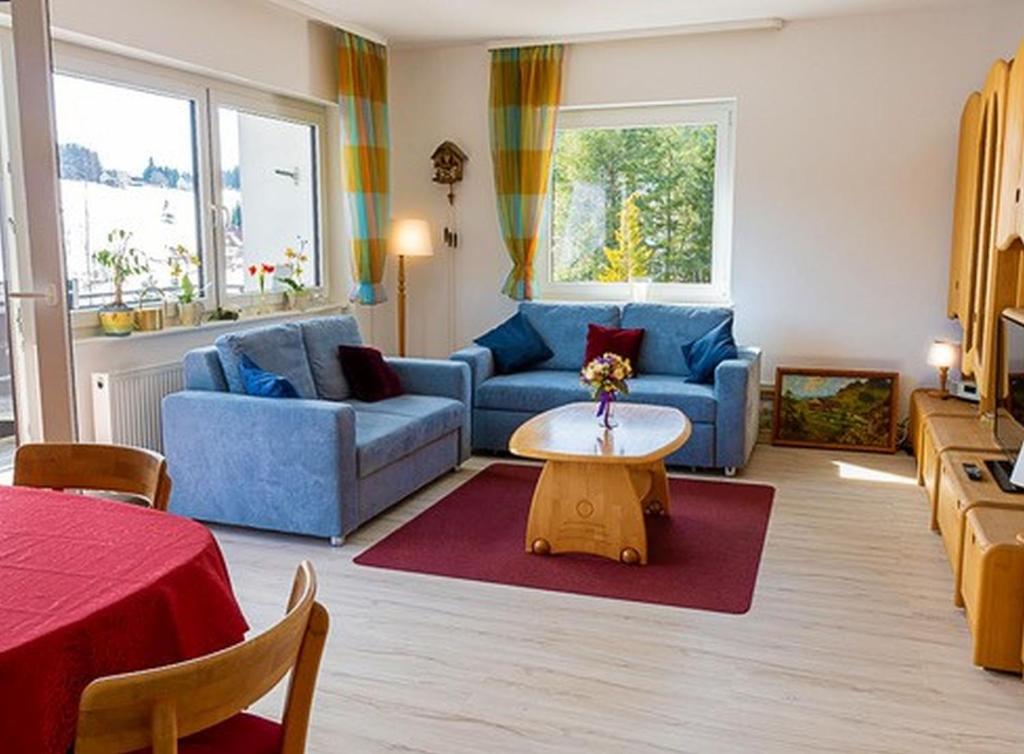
[[986, 269]]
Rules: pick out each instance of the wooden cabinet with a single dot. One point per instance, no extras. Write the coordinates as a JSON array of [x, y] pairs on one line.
[[944, 434], [926, 403], [986, 264], [957, 494], [993, 585], [995, 274], [1010, 226], [965, 215]]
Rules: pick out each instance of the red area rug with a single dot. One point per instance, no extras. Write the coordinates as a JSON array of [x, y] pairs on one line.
[[704, 556]]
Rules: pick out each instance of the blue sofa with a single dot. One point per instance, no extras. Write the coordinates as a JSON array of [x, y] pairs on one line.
[[724, 414], [321, 464]]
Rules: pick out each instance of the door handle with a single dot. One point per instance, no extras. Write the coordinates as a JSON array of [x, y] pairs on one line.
[[48, 295]]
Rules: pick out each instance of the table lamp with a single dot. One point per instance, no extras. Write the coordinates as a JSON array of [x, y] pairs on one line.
[[942, 355], [409, 238]]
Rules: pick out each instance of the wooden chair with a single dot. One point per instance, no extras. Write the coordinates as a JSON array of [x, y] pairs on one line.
[[92, 466], [201, 701]]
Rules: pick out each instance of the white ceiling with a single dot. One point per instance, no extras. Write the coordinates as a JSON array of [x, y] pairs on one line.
[[422, 22]]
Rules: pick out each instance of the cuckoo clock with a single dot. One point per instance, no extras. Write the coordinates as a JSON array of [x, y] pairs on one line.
[[449, 162]]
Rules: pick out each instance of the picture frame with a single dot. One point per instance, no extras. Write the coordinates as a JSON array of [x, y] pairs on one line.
[[836, 409]]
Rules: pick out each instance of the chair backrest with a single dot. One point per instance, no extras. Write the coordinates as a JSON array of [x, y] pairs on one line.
[[155, 708], [94, 466]]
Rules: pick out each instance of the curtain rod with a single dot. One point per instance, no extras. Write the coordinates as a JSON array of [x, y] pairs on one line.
[[754, 24]]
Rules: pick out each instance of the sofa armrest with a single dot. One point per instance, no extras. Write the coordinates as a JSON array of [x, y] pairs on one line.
[[448, 379], [481, 363], [272, 463], [738, 392]]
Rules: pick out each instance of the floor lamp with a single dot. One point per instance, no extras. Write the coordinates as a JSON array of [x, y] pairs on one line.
[[409, 238]]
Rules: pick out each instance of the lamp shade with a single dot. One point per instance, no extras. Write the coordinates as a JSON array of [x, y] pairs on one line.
[[942, 353], [411, 238]]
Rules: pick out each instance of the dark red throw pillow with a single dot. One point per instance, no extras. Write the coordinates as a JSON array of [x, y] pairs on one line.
[[369, 377], [625, 342]]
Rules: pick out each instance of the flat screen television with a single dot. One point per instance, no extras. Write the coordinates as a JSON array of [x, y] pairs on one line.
[[1009, 413]]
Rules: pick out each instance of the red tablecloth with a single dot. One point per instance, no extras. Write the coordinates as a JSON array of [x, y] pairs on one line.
[[89, 588]]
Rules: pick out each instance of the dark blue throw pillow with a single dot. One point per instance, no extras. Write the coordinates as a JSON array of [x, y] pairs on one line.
[[708, 351], [264, 384], [515, 345]]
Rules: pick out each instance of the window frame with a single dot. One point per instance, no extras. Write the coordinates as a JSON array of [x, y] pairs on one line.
[[206, 93], [271, 106], [104, 68], [721, 113]]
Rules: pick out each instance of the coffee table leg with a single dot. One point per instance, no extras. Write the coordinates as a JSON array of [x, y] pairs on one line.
[[587, 507], [651, 484]]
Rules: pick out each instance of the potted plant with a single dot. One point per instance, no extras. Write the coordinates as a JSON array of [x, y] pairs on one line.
[[296, 294], [121, 260], [182, 262]]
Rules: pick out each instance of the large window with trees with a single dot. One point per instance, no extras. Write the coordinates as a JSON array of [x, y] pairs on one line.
[[188, 184], [641, 193]]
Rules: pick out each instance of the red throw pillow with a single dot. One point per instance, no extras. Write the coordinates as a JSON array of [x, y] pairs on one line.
[[624, 342], [368, 375]]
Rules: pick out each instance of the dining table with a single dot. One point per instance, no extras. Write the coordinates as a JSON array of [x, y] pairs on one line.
[[90, 588]]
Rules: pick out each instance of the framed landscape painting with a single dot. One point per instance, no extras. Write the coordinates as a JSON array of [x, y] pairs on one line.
[[831, 408]]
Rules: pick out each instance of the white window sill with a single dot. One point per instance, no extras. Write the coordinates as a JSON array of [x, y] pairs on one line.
[[90, 336]]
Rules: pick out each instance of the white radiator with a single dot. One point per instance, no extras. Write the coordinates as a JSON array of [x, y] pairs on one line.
[[126, 404]]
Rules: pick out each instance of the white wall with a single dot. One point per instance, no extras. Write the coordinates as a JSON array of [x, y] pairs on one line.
[[253, 41], [846, 148]]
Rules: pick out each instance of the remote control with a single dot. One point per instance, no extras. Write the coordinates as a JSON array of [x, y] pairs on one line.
[[973, 472]]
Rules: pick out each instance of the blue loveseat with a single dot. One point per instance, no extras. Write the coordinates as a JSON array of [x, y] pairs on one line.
[[321, 464], [724, 414]]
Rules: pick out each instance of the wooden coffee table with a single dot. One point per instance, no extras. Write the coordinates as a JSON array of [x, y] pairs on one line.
[[597, 484]]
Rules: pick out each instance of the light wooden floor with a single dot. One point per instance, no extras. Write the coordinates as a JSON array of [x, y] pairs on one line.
[[852, 644]]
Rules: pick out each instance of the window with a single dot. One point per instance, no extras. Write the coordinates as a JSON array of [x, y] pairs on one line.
[[127, 162], [144, 149], [641, 193], [269, 195]]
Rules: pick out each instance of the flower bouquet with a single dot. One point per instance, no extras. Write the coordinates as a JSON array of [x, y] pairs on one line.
[[606, 377], [262, 273]]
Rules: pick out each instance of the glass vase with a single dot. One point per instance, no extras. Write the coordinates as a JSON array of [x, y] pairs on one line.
[[606, 411]]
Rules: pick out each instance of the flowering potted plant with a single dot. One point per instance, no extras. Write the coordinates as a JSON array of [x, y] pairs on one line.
[[296, 293], [606, 377], [261, 272], [122, 261], [182, 261]]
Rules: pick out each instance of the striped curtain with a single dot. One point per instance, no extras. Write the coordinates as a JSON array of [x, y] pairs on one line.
[[526, 87], [363, 98]]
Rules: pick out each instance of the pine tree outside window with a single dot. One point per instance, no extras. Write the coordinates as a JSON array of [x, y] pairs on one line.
[[641, 193]]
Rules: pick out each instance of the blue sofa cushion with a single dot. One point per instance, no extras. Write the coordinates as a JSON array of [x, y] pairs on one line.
[[389, 430], [264, 384], [322, 336], [670, 327], [708, 351], [697, 401], [564, 328], [514, 345], [533, 392], [277, 349]]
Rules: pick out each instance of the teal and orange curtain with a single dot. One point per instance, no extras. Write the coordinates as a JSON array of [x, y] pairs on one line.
[[363, 99], [526, 88]]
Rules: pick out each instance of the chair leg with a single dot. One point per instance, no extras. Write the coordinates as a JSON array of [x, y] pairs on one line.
[[337, 541]]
